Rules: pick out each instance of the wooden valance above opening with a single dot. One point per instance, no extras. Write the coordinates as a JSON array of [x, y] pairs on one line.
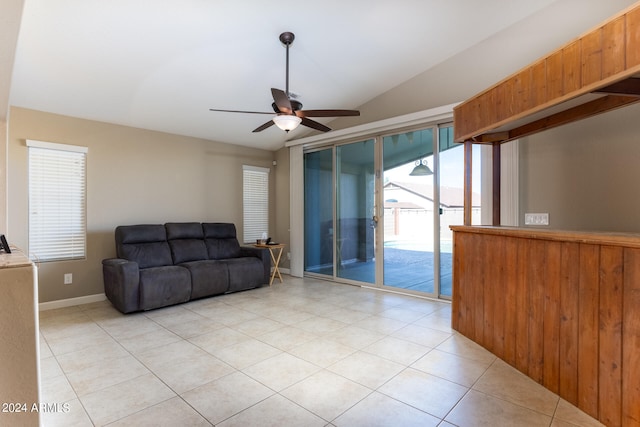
[[595, 73]]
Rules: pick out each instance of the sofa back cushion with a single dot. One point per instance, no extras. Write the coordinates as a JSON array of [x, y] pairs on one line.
[[145, 244], [186, 241], [220, 239]]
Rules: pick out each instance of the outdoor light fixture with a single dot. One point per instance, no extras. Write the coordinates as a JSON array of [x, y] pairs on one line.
[[421, 169], [287, 122]]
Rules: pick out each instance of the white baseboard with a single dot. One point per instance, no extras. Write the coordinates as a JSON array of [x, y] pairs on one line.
[[50, 305]]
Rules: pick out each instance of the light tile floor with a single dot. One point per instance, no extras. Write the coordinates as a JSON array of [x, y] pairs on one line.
[[302, 353]]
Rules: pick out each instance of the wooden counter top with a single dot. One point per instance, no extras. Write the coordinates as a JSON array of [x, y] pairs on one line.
[[630, 240]]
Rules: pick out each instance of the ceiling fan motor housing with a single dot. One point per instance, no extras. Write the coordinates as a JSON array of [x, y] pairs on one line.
[[287, 38], [295, 105]]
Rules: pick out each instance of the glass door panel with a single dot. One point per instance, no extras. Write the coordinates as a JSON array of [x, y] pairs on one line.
[[355, 212], [318, 212], [408, 195]]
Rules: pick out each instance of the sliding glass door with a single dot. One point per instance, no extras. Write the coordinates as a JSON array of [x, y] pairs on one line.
[[378, 211]]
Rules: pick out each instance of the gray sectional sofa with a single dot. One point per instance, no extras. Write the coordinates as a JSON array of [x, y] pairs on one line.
[[165, 264]]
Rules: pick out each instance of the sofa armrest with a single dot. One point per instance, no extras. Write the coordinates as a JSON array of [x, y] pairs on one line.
[[122, 283], [264, 256]]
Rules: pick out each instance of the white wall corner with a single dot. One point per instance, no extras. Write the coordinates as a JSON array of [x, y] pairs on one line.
[[509, 184], [486, 184], [296, 213]]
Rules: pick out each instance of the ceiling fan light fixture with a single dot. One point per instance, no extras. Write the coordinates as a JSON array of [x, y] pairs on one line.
[[287, 122]]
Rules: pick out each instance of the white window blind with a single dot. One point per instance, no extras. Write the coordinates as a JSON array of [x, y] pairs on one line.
[[255, 201], [57, 201]]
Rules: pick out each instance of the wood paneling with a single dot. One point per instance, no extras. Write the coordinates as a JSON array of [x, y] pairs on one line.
[[591, 57], [551, 321], [535, 308], [538, 83], [608, 54], [512, 249], [588, 329], [563, 308], [568, 346], [632, 39], [610, 350], [554, 82], [631, 339], [613, 47], [572, 67]]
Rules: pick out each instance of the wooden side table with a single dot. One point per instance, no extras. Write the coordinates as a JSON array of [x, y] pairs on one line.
[[276, 254]]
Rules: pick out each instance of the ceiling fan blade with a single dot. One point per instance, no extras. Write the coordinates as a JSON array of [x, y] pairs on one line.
[[327, 113], [241, 111], [315, 125], [282, 101], [264, 126]]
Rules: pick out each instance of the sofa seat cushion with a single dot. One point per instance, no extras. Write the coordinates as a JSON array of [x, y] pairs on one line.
[[244, 273], [208, 277], [162, 286]]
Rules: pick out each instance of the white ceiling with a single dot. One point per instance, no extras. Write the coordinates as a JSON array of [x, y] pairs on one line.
[[161, 64]]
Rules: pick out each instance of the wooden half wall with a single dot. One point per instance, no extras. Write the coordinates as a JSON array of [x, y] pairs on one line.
[[563, 308]]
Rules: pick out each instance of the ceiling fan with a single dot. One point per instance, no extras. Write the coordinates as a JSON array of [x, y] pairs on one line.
[[289, 112]]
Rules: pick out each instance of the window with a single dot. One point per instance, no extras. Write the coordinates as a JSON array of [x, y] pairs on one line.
[[57, 201], [255, 201]]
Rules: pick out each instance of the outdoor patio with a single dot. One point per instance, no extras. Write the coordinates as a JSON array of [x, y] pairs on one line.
[[403, 268]]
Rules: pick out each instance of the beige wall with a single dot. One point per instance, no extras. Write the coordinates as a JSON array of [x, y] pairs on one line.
[[133, 176], [586, 174], [281, 200], [3, 176]]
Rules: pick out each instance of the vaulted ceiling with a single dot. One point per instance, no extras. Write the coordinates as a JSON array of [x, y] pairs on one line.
[[161, 64]]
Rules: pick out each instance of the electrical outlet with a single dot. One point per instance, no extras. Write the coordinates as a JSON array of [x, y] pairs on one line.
[[68, 278], [536, 219], [289, 256]]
